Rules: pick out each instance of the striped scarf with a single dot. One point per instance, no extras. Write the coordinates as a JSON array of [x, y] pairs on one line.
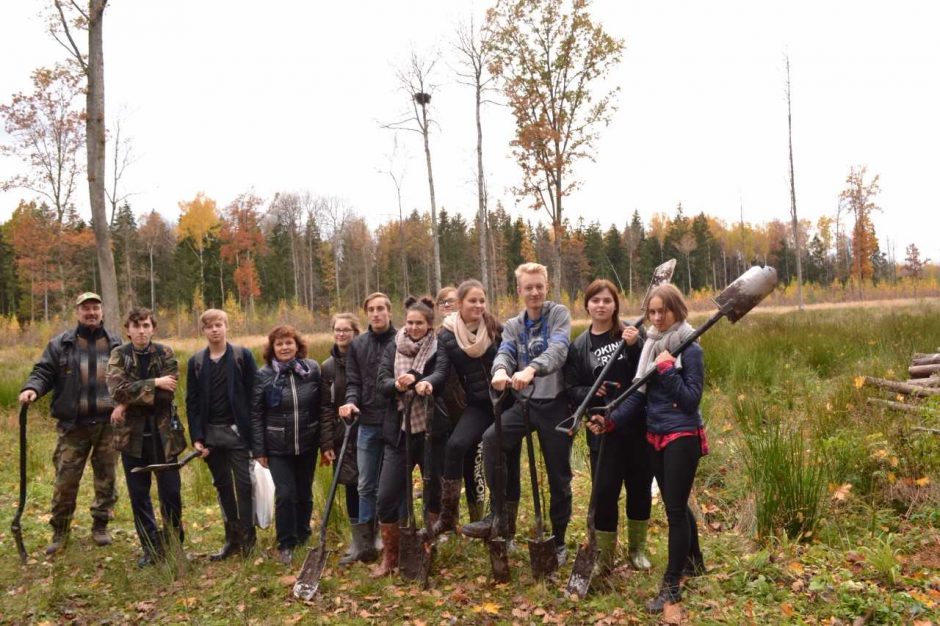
[[95, 399], [412, 356]]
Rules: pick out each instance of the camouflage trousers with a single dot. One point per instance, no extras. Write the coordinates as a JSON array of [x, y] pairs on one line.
[[71, 453]]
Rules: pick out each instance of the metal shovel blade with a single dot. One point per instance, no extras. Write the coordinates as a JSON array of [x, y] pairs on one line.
[[662, 274], [163, 467], [542, 557], [308, 580], [499, 559], [582, 571], [746, 292], [411, 554]]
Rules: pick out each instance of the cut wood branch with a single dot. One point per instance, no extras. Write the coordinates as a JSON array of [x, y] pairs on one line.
[[923, 371], [933, 381], [933, 431], [919, 409], [893, 385], [927, 359]]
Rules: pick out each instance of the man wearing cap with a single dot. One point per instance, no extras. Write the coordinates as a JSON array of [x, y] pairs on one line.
[[74, 367]]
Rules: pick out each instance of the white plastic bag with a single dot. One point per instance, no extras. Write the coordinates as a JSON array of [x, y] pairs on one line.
[[262, 494]]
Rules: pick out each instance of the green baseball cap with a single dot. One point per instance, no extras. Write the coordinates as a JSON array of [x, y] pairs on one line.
[[85, 297]]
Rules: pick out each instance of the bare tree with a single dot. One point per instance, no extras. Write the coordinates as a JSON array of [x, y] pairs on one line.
[[91, 17], [415, 81], [397, 174], [123, 157], [473, 46], [335, 214], [793, 219]]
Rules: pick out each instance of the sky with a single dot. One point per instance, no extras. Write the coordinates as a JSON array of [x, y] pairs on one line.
[[235, 96]]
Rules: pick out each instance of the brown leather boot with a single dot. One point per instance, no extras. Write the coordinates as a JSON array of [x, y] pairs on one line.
[[450, 503], [389, 561]]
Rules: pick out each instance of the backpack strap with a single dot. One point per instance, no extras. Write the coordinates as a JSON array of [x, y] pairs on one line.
[[197, 361]]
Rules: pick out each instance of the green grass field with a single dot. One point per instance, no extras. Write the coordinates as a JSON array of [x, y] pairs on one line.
[[814, 507]]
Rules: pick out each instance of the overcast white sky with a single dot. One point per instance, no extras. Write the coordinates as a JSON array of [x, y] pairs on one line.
[[225, 97]]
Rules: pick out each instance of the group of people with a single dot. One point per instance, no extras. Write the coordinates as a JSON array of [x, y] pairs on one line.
[[418, 395]]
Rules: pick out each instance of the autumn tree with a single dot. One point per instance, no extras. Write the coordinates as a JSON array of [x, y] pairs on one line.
[[242, 241], [550, 56], [858, 199], [913, 265], [199, 222], [89, 17], [156, 238], [46, 131]]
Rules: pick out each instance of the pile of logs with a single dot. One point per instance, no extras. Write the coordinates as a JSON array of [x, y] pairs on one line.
[[924, 382]]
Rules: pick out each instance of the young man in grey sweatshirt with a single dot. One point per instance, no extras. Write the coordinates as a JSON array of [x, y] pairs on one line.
[[533, 352]]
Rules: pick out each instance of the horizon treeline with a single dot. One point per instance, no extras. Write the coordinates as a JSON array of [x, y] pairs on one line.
[[317, 253]]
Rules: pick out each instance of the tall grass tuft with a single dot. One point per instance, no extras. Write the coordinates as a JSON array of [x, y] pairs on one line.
[[788, 482]]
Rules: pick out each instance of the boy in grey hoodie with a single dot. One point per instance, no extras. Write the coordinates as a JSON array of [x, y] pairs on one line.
[[533, 351]]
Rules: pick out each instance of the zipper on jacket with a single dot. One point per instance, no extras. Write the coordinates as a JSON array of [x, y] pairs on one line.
[[293, 390]]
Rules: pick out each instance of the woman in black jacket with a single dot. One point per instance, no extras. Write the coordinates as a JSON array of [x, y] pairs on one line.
[[626, 461], [405, 366], [285, 424], [466, 344], [332, 394]]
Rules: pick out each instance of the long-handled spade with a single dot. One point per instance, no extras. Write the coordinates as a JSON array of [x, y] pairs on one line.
[[428, 543], [542, 557], [163, 467], [661, 275], [15, 525], [497, 544], [734, 302], [412, 559], [308, 580]]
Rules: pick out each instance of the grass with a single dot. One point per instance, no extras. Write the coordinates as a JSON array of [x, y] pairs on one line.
[[777, 384]]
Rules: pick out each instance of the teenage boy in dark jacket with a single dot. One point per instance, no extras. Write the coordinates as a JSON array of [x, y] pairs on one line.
[[74, 367], [218, 396], [362, 397]]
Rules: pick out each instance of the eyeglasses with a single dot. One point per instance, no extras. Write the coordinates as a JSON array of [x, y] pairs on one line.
[[447, 302], [342, 331]]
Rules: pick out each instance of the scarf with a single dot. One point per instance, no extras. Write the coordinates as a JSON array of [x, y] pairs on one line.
[[411, 357], [656, 342], [298, 366], [473, 343]]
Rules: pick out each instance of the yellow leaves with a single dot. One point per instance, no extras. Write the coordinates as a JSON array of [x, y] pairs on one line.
[[786, 609], [672, 614], [859, 382], [796, 568], [490, 608], [923, 481], [840, 492], [198, 219]]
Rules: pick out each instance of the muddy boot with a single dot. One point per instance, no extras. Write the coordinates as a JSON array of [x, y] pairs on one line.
[[512, 514], [247, 539], [606, 542], [636, 535], [230, 547], [60, 537], [450, 503], [99, 533], [363, 544], [389, 563], [480, 529], [475, 511], [669, 593]]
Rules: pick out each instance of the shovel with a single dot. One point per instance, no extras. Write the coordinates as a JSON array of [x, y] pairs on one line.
[[734, 303], [497, 544], [414, 551], [308, 580], [15, 525], [661, 276], [542, 557], [428, 543], [163, 467]]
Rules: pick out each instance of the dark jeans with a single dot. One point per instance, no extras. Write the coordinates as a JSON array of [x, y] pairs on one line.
[[168, 491], [396, 468], [627, 463], [293, 497], [232, 482], [544, 415], [464, 438], [674, 467]]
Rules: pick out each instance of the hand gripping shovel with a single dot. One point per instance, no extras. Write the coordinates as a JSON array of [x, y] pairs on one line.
[[497, 544], [15, 525], [661, 276], [734, 303], [308, 580], [414, 551], [163, 467], [542, 557]]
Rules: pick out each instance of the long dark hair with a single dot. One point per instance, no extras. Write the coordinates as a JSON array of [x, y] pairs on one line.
[[423, 305], [493, 327], [595, 288]]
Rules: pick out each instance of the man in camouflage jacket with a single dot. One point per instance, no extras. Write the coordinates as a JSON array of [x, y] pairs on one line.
[[142, 378]]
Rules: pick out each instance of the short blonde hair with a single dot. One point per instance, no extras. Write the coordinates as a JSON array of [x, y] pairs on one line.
[[212, 315], [531, 268], [373, 296], [349, 317]]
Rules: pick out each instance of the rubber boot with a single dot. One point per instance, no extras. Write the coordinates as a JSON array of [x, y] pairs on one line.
[[512, 514], [479, 529], [99, 533], [390, 536], [606, 542], [636, 535], [230, 547], [450, 501], [669, 593], [247, 540], [363, 543]]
